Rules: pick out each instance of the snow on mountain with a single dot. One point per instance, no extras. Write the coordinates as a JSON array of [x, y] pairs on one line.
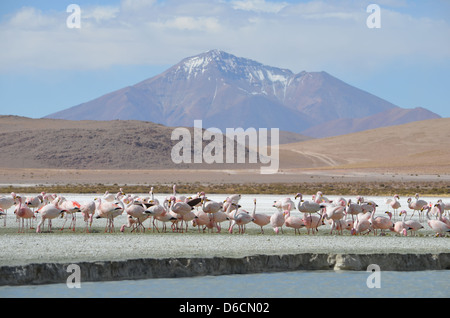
[[228, 91]]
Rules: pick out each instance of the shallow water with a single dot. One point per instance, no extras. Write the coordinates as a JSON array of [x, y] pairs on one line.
[[300, 284]]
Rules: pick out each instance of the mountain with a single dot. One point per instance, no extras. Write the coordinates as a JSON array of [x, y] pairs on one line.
[[228, 91]]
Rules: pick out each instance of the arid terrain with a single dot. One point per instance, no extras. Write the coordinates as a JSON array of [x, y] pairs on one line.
[[60, 152]]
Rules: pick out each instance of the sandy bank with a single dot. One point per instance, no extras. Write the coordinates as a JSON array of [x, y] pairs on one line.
[[43, 259], [48, 273]]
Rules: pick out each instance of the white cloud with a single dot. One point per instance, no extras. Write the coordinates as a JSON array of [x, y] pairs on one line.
[[258, 5], [310, 36]]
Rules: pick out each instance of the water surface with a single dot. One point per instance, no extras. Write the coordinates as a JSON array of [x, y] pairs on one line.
[[299, 284]]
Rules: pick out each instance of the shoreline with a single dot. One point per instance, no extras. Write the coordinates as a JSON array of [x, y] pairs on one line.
[[149, 268], [337, 182]]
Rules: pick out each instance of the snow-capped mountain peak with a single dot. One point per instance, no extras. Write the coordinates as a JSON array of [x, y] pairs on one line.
[[231, 66]]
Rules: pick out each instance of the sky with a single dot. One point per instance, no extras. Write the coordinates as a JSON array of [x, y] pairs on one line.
[[46, 66]]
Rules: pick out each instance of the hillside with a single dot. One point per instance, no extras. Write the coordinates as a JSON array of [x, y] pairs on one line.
[[418, 147], [118, 144]]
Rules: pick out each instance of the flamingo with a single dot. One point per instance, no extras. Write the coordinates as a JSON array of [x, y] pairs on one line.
[[312, 222], [413, 225], [394, 203], [71, 207], [361, 225], [131, 222], [88, 211], [320, 198], [241, 219], [161, 213], [400, 227], [380, 223], [293, 222], [48, 212], [218, 218], [5, 203], [335, 213], [137, 210], [210, 206], [34, 202], [445, 205], [109, 210], [416, 205], [157, 210], [23, 212], [308, 206], [353, 209], [204, 220], [260, 219], [277, 221], [341, 225], [438, 226], [440, 206], [284, 204]]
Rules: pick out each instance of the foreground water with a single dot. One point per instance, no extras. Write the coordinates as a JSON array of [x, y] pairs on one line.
[[300, 284]]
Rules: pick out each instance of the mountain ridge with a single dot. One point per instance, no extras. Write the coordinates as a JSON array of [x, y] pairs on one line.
[[228, 91]]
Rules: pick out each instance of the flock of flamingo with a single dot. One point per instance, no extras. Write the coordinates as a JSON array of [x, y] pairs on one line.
[[181, 211]]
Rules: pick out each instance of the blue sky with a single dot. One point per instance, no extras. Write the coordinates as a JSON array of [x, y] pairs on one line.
[[46, 67]]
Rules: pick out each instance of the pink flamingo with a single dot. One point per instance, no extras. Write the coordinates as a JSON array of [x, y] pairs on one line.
[[71, 207], [439, 227], [5, 203], [157, 210], [361, 225], [342, 225], [202, 220], [335, 213], [413, 225], [312, 222], [308, 206], [399, 227], [218, 218], [241, 218], [260, 219], [137, 211], [416, 205], [380, 222], [88, 211], [441, 207], [277, 221], [131, 222], [394, 203], [445, 205], [293, 222], [23, 212], [162, 214], [353, 209], [284, 204], [320, 198], [109, 210], [210, 206], [48, 212]]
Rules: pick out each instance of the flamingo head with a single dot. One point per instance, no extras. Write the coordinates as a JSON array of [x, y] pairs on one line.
[[299, 195], [397, 196]]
